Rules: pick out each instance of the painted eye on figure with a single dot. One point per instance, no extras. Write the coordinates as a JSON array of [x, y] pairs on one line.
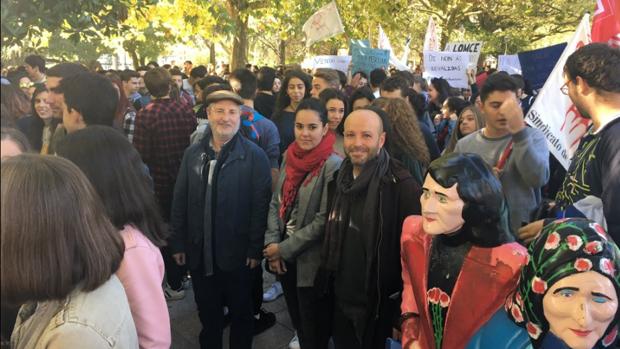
[[566, 293]]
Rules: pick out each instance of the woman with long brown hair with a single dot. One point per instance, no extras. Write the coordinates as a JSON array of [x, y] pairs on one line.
[[406, 141], [59, 255]]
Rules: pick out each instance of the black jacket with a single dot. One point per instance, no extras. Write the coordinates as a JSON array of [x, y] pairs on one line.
[[399, 197], [242, 193]]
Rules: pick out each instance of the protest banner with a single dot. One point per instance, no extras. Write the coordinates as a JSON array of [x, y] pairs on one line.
[[509, 63], [367, 59], [554, 113], [384, 43], [431, 41], [451, 66], [334, 62], [323, 24], [606, 23], [473, 47], [536, 65]]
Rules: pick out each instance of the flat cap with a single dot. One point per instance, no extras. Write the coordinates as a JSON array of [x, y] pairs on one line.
[[223, 95]]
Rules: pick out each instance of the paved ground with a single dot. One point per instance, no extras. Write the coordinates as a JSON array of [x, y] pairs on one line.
[[186, 326]]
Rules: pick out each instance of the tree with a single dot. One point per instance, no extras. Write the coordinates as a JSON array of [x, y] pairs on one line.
[[153, 31], [80, 19]]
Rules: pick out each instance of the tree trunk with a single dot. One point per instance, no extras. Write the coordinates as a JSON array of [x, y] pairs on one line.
[[240, 43], [212, 53], [282, 52]]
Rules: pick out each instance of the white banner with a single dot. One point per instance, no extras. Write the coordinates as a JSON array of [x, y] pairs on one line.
[[431, 41], [384, 43], [451, 66], [509, 63], [323, 24], [334, 62], [473, 47], [553, 112]]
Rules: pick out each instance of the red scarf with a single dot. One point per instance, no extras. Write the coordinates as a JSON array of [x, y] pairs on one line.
[[300, 163]]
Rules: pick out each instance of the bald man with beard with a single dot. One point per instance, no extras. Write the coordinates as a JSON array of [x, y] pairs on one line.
[[368, 202]]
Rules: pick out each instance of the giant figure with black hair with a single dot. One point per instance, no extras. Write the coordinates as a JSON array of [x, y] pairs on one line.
[[461, 246]]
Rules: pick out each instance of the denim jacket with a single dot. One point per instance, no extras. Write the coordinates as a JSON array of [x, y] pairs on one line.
[[96, 319]]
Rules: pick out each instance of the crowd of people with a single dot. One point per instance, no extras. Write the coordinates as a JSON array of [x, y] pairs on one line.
[[390, 208]]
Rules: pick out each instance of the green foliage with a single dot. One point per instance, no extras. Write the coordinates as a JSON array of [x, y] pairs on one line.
[[80, 19], [270, 31]]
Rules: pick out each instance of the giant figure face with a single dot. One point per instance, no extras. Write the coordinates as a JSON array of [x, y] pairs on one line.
[[580, 307], [442, 208]]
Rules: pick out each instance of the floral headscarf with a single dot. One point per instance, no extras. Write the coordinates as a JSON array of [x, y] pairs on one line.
[[564, 247]]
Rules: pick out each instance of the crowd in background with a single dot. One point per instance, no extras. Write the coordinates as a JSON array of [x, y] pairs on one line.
[[165, 178]]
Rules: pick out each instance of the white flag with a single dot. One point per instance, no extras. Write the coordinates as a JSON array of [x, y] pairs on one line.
[[384, 43], [431, 42], [553, 112], [406, 51], [323, 24]]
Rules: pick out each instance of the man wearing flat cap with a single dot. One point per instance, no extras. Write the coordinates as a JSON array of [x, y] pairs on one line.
[[219, 218]]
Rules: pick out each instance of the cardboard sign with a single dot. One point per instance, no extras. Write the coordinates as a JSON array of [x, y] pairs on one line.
[[368, 59], [451, 66], [509, 63], [473, 47], [334, 62]]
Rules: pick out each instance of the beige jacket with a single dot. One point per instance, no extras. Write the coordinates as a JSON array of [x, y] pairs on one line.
[[96, 319]]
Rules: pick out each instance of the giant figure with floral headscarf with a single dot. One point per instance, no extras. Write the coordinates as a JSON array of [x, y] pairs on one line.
[[460, 261], [567, 295]]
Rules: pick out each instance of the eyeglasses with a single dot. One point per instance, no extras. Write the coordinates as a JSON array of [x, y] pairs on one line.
[[564, 88], [26, 85]]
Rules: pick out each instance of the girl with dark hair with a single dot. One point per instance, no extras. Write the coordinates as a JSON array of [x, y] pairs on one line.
[[117, 173], [297, 216], [41, 125], [336, 104], [470, 120], [460, 246], [295, 87], [438, 92], [58, 257]]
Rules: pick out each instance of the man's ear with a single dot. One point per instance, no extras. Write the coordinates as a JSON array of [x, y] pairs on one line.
[[582, 86], [381, 139]]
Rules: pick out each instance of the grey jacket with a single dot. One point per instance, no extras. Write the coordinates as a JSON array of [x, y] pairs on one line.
[[95, 320], [304, 245]]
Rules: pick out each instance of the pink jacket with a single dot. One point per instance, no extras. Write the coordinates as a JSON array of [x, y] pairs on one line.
[[142, 273]]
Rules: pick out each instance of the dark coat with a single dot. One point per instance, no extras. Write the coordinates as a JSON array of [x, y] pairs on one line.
[[399, 197], [242, 194]]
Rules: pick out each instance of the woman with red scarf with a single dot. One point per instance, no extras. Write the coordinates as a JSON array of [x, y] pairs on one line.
[[297, 216]]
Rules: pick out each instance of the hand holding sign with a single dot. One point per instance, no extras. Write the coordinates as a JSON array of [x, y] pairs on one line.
[[513, 113]]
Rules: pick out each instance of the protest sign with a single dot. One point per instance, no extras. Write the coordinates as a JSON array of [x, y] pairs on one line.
[[451, 66], [536, 65], [554, 113], [473, 47], [334, 62], [367, 59], [509, 63]]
